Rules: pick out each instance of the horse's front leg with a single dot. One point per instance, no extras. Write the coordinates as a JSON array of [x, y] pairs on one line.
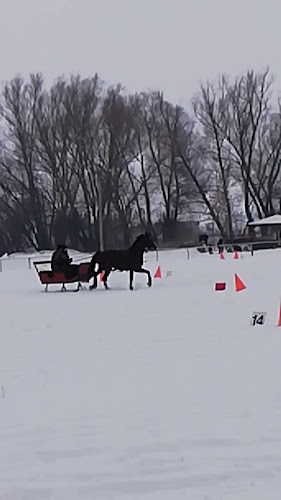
[[149, 280], [146, 271], [131, 280]]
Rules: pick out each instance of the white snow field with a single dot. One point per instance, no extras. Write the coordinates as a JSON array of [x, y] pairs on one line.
[[165, 393]]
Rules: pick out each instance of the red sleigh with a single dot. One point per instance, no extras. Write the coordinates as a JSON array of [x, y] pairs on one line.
[[48, 277]]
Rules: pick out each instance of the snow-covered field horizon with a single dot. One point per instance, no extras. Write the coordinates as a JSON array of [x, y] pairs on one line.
[[165, 393]]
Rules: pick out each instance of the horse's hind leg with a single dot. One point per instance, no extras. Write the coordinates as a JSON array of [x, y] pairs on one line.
[[95, 276], [104, 279], [95, 283]]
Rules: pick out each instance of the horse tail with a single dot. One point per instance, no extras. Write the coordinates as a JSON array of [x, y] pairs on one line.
[[92, 266]]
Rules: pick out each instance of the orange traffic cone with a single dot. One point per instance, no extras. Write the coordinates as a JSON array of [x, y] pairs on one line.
[[236, 256], [239, 285], [279, 320], [158, 273], [222, 256], [101, 276]]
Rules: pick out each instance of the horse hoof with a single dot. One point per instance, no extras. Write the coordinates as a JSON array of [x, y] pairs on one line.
[[131, 288], [149, 284], [92, 287]]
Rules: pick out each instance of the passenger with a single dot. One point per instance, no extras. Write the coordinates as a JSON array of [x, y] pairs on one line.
[[61, 262]]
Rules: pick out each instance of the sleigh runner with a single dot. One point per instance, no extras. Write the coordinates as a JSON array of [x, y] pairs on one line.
[[49, 277]]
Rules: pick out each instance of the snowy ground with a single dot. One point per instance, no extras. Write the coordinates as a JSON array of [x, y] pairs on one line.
[[165, 393]]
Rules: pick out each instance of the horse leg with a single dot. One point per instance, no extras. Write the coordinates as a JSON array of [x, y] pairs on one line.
[[104, 279], [95, 276], [131, 280], [145, 271], [95, 283]]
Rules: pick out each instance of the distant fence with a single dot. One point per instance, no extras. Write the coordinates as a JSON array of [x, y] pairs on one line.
[[7, 259], [230, 247], [30, 259], [246, 247]]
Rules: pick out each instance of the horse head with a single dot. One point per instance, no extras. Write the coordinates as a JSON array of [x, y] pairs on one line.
[[144, 242], [149, 243]]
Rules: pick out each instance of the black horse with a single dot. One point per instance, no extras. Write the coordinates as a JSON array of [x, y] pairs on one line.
[[122, 260]]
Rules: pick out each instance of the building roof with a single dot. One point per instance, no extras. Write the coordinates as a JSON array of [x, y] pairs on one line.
[[272, 220]]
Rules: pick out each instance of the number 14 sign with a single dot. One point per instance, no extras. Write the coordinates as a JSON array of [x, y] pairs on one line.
[[258, 318]]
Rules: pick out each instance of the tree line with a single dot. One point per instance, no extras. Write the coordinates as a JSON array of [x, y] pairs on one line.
[[81, 152]]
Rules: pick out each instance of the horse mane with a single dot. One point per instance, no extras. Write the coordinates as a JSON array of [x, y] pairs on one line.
[[136, 242]]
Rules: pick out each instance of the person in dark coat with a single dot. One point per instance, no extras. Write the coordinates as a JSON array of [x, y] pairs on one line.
[[220, 245], [61, 262], [203, 239]]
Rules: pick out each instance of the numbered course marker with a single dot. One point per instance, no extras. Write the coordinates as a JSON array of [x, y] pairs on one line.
[[258, 318]]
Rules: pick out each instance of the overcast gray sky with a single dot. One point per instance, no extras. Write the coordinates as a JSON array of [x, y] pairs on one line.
[[170, 45]]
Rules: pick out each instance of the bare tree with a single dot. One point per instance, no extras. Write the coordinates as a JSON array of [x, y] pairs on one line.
[[21, 179], [211, 110]]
